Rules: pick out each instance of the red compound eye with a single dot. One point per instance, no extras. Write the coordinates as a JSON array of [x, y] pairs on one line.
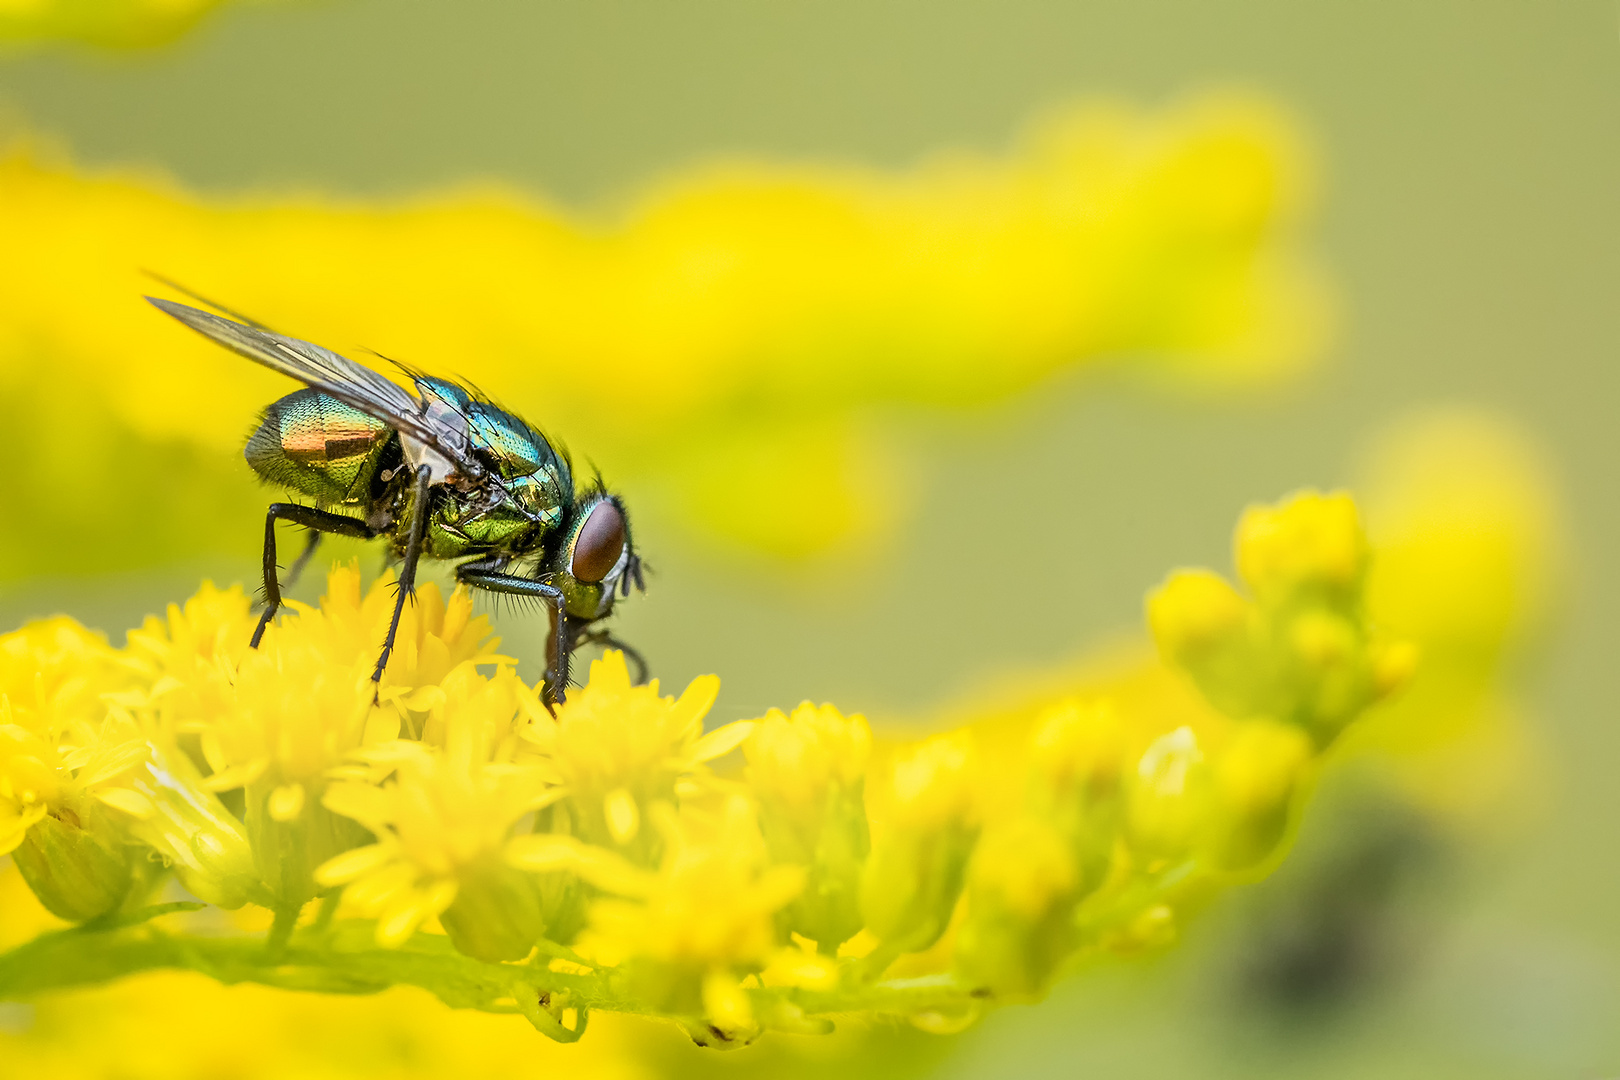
[[600, 543]]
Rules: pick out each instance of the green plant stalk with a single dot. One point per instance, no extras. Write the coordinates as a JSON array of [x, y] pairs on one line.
[[343, 959]]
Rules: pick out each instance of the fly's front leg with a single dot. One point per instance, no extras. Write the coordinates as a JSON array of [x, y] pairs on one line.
[[480, 578], [318, 521], [406, 589], [606, 639]]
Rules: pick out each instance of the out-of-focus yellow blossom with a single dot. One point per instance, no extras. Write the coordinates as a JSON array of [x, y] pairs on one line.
[[1301, 650], [113, 23], [759, 310], [1021, 888], [924, 822], [64, 763], [1255, 779], [808, 770], [1168, 801], [595, 859], [1470, 537]]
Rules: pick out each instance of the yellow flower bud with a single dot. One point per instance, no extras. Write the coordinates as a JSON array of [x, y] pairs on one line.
[[193, 831], [1310, 540], [1195, 613], [914, 875], [1078, 746], [1022, 885], [1393, 665], [1255, 777], [797, 757], [79, 868], [1168, 795], [808, 772], [931, 785]]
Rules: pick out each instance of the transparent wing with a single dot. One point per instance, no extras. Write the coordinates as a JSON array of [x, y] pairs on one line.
[[351, 383]]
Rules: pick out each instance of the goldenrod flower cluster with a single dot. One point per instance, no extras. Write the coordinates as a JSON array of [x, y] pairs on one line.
[[446, 829], [760, 311], [110, 23]]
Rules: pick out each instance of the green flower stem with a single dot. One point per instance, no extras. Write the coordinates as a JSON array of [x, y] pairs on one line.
[[343, 959]]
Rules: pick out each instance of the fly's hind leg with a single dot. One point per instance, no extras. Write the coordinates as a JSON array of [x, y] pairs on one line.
[[319, 521], [482, 577], [296, 570]]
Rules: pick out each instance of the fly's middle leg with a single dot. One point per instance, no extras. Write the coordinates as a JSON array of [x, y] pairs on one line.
[[406, 588]]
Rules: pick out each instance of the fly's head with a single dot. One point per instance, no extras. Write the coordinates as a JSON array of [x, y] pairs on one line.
[[596, 561]]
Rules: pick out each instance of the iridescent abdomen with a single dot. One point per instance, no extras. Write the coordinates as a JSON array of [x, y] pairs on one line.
[[316, 444]]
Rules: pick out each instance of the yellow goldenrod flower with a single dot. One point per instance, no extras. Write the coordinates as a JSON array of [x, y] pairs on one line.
[[441, 820], [923, 834], [595, 860], [1471, 545], [1301, 650], [619, 751], [1312, 541], [703, 920], [1168, 797], [1021, 888], [807, 770], [63, 758], [274, 721], [1254, 778], [760, 309]]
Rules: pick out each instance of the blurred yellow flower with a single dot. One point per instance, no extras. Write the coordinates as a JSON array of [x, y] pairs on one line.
[[1466, 519], [112, 23], [758, 311]]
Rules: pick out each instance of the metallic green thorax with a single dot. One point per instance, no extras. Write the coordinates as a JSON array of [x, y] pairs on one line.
[[314, 444], [538, 486]]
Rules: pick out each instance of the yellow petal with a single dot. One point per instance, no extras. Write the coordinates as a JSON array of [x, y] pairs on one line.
[[722, 740], [623, 815], [543, 852], [362, 802], [350, 865], [130, 802], [12, 832], [286, 802], [695, 702], [236, 776]]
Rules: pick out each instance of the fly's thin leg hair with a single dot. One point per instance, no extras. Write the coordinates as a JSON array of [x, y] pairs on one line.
[[318, 521], [481, 577], [406, 587]]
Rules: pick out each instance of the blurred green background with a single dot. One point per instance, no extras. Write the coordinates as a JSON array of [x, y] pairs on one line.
[[1470, 165]]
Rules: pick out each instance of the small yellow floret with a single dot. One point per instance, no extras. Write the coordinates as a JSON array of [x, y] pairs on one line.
[[1193, 612], [1311, 539], [932, 784], [1023, 866], [796, 756], [1259, 767]]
